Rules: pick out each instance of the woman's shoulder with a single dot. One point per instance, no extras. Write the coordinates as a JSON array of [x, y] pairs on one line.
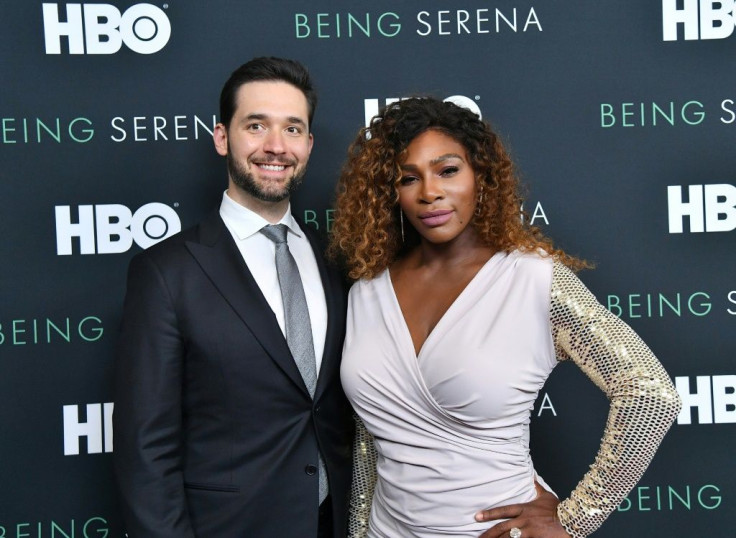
[[368, 285], [535, 261]]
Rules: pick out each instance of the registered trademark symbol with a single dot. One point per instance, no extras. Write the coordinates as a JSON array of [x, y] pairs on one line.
[[166, 6], [176, 204], [477, 97]]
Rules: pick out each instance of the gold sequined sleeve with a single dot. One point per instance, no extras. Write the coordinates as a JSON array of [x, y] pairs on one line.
[[364, 481], [644, 403]]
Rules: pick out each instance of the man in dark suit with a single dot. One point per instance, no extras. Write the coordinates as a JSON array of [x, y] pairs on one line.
[[222, 428]]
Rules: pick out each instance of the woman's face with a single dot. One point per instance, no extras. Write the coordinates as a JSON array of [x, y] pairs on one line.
[[437, 190]]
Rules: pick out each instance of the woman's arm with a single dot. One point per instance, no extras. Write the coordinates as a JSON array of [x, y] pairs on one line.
[[644, 403], [364, 481]]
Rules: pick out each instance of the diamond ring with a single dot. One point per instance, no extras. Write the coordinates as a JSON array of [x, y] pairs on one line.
[[515, 532]]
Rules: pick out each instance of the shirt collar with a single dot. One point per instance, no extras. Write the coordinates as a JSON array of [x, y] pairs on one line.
[[244, 222]]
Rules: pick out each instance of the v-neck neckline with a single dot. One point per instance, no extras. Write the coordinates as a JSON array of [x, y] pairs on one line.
[[444, 315]]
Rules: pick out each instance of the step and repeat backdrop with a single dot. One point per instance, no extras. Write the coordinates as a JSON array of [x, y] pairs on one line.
[[621, 115]]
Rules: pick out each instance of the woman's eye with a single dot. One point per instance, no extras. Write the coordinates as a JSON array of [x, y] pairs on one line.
[[449, 171], [406, 180]]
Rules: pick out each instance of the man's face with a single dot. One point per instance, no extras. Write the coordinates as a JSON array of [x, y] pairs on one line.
[[268, 142]]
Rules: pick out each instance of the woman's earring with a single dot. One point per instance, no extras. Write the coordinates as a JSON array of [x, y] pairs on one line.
[[479, 205], [401, 222]]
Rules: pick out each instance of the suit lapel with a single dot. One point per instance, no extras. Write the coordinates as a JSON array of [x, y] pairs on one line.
[[219, 257]]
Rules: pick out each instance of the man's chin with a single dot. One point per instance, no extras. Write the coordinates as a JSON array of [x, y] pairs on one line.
[[274, 196], [274, 191], [265, 193], [270, 195]]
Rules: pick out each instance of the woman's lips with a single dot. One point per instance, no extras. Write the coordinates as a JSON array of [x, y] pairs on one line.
[[436, 218]]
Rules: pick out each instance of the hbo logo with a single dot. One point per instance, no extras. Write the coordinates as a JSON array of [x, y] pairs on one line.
[[144, 28], [700, 19], [97, 429], [709, 208], [112, 228], [371, 106]]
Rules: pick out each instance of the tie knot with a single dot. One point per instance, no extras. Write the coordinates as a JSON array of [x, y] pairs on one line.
[[275, 232]]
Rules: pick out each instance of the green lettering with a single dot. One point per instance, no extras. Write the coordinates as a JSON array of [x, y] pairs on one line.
[[56, 135], [17, 331], [6, 130], [625, 505], [656, 109], [674, 307], [65, 335], [699, 115], [310, 216], [685, 502], [320, 24], [707, 304], [365, 29], [632, 304], [607, 112], [614, 305], [88, 132], [395, 26], [716, 498], [96, 332], [100, 532], [626, 113], [55, 527], [300, 21]]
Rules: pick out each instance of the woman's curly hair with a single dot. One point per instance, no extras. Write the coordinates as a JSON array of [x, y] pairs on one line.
[[366, 233]]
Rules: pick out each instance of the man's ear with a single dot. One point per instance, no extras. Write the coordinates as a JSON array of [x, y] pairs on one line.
[[219, 136]]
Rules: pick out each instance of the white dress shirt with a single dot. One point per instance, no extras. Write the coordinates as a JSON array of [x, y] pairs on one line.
[[259, 254]]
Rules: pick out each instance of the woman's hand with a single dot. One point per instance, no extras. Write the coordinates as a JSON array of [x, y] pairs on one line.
[[535, 519]]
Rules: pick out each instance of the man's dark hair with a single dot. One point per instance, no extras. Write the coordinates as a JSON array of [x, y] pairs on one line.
[[266, 69]]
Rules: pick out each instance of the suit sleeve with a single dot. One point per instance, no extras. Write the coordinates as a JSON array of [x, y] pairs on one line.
[[147, 416], [644, 403]]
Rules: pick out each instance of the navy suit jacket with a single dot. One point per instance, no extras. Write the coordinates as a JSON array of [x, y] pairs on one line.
[[215, 432]]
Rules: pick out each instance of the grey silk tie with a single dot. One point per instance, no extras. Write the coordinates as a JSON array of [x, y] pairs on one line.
[[296, 317]]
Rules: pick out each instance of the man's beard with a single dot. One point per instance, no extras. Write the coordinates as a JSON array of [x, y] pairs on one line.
[[245, 180]]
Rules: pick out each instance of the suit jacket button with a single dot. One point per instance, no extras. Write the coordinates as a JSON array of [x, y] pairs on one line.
[[310, 469]]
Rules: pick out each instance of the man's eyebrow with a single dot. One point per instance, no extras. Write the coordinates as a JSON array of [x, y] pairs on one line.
[[297, 119], [289, 119]]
